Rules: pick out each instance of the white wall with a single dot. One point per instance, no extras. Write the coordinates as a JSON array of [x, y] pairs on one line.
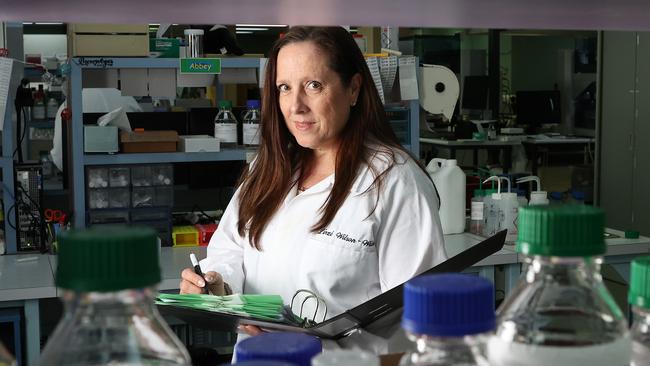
[[45, 44]]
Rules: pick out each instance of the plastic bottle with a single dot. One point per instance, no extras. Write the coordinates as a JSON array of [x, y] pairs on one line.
[[251, 123], [556, 198], [345, 357], [577, 197], [477, 221], [225, 125], [537, 197], [560, 312], [503, 211], [490, 212], [296, 348], [260, 363], [521, 197], [52, 108], [639, 299], [38, 111], [450, 182], [448, 317], [108, 277]]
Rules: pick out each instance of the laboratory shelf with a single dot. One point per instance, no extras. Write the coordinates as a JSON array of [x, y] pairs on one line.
[[150, 63], [174, 157]]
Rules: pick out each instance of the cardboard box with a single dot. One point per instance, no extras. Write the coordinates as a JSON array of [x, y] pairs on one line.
[[108, 40], [148, 141]]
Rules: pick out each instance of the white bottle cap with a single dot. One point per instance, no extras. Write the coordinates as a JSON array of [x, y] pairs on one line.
[[538, 198], [193, 32]]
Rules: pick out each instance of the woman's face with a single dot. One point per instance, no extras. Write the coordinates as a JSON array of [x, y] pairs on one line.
[[313, 100]]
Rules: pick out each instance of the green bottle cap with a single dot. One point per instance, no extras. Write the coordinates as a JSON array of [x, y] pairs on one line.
[[639, 294], [631, 234], [225, 104], [561, 231], [479, 193], [106, 260], [488, 192]]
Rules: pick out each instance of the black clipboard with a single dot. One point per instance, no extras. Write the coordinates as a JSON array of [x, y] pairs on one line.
[[341, 325]]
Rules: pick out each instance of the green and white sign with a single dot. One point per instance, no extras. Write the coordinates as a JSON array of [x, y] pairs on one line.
[[200, 65]]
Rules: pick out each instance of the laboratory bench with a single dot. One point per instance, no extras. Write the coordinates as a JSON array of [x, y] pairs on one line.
[[26, 278]]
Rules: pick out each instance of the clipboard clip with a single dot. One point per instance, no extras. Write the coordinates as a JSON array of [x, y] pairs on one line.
[[309, 295]]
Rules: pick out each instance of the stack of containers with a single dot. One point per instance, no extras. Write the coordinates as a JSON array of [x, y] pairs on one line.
[[138, 195]]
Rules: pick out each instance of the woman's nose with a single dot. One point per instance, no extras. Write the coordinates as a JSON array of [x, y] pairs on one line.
[[298, 103]]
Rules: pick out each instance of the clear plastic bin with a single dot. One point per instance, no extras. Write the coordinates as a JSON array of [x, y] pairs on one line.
[[108, 217], [141, 176], [162, 175], [164, 196], [97, 178], [119, 176], [119, 198], [142, 197], [98, 198]]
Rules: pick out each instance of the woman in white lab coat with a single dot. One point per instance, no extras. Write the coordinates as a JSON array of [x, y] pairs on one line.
[[332, 203]]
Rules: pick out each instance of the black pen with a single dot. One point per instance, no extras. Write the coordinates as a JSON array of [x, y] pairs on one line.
[[197, 270]]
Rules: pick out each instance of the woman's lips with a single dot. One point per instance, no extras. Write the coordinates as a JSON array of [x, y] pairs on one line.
[[303, 126]]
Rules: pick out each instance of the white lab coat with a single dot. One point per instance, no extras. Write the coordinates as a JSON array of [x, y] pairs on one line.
[[361, 254]]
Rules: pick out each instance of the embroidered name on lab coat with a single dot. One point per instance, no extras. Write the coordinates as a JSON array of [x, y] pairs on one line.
[[347, 238]]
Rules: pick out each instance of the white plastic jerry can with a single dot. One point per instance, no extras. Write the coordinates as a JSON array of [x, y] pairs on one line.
[[449, 179]]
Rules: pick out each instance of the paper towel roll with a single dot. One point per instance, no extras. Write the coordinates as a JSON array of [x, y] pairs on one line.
[[439, 90]]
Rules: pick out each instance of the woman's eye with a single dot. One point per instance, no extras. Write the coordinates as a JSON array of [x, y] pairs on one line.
[[283, 88], [314, 85]]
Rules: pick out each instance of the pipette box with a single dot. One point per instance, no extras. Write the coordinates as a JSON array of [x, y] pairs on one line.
[[185, 236], [198, 143], [205, 233]]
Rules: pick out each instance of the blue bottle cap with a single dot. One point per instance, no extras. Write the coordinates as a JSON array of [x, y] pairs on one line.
[[557, 196], [253, 104], [296, 348], [448, 305], [578, 195]]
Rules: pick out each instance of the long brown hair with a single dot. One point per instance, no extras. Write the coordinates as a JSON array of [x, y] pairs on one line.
[[280, 157]]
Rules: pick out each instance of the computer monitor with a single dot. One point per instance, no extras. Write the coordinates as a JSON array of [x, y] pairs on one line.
[[475, 92], [538, 107]]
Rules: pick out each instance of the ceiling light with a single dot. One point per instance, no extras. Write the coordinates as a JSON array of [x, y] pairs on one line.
[[243, 32], [251, 29], [262, 25]]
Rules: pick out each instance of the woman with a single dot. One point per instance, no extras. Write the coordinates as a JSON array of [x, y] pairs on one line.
[[333, 203]]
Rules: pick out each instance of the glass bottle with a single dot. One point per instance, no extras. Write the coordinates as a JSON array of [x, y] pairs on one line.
[[108, 277], [448, 317], [225, 125], [251, 123], [639, 298], [294, 348], [560, 312], [476, 222]]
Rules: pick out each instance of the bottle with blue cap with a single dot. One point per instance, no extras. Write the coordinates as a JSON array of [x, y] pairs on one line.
[[294, 348], [449, 317], [560, 312], [261, 363], [251, 123], [639, 298], [109, 278]]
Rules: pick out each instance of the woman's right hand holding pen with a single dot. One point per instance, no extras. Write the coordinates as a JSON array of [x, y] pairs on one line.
[[192, 283]]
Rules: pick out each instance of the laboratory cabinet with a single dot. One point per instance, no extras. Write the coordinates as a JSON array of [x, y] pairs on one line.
[[624, 138]]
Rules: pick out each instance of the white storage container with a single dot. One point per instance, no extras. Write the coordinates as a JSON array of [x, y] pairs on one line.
[[450, 183], [198, 143]]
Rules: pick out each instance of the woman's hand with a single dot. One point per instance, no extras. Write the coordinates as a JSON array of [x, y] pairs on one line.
[[251, 330], [191, 283]]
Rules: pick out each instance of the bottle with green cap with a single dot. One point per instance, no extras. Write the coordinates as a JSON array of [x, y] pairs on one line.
[[560, 312], [108, 279], [639, 298], [225, 125]]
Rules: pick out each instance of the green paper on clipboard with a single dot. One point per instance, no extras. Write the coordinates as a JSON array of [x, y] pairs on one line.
[[268, 312]]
